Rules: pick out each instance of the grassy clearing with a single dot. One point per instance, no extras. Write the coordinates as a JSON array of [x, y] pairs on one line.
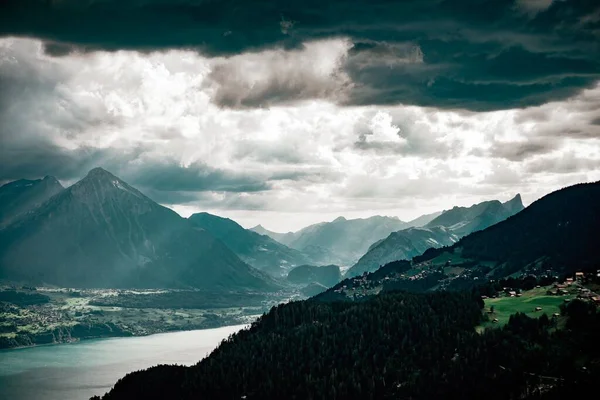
[[504, 307]]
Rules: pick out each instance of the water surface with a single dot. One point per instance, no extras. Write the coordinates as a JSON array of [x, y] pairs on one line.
[[81, 370]]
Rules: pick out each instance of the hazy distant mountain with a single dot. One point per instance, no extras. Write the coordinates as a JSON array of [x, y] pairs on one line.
[[464, 220], [341, 241], [24, 195], [280, 237], [424, 219], [101, 232], [258, 250], [443, 230], [402, 245], [326, 275]]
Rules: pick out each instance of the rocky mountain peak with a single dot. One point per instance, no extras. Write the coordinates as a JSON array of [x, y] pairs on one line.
[[50, 180], [100, 185], [99, 173], [515, 204]]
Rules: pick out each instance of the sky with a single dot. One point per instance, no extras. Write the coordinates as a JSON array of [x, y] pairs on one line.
[[287, 113]]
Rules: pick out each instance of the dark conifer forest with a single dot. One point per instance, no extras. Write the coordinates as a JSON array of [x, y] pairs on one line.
[[394, 345]]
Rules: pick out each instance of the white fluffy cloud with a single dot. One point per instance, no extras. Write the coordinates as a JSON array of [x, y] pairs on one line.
[[155, 120]]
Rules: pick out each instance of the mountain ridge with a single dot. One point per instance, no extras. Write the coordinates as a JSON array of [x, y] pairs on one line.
[[23, 195]]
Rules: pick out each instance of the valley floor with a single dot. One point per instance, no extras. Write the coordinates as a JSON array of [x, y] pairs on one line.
[[63, 315]]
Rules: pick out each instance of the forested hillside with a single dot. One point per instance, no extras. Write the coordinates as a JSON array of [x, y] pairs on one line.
[[395, 345]]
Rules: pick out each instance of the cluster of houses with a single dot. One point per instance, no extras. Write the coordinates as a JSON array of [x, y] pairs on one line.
[[572, 285]]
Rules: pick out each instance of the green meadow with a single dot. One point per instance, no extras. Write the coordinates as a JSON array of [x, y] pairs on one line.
[[504, 307]]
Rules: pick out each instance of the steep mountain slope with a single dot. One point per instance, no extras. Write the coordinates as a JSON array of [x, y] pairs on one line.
[[24, 195], [402, 245], [258, 250], [326, 275], [464, 220], [101, 232]]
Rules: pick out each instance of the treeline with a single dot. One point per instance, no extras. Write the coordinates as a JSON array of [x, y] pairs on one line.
[[63, 334], [180, 299], [521, 283], [23, 299], [395, 345]]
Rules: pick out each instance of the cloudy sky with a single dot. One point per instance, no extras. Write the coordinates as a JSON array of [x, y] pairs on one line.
[[287, 113]]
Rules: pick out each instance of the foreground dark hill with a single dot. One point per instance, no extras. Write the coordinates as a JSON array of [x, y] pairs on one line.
[[101, 232], [444, 230], [392, 346], [19, 197], [258, 250]]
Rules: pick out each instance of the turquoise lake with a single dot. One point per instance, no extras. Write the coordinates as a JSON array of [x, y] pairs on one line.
[[84, 369]]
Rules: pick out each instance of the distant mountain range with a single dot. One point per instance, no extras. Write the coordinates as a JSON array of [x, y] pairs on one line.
[[101, 232], [341, 241], [259, 251], [444, 230], [19, 197]]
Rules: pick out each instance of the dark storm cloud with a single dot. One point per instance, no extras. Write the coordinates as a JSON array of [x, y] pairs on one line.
[[470, 54], [36, 157], [40, 158], [197, 177]]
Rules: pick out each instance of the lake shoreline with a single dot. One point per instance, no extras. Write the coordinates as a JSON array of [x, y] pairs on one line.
[[41, 316], [126, 334]]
